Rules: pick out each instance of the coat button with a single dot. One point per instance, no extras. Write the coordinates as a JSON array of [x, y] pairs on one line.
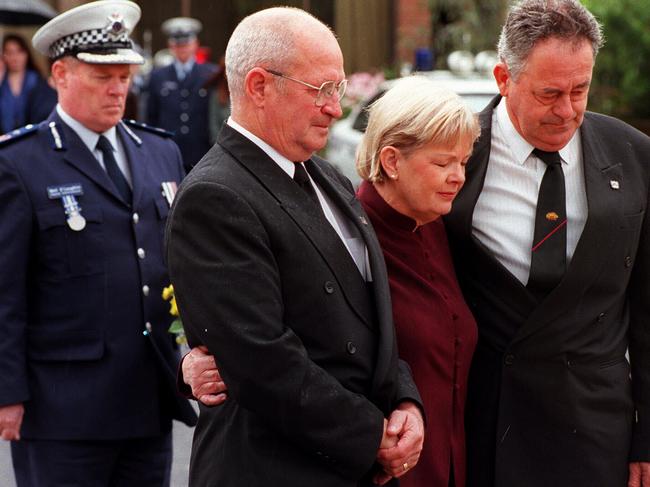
[[145, 290], [184, 117], [329, 287], [352, 349], [628, 261], [141, 253], [509, 359], [136, 218], [185, 130]]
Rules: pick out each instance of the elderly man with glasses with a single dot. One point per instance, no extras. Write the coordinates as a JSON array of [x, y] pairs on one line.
[[279, 275]]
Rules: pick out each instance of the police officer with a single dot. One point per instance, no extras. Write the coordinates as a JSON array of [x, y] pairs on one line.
[[86, 388], [178, 98]]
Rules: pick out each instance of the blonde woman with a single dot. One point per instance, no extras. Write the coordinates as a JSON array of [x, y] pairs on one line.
[[412, 160]]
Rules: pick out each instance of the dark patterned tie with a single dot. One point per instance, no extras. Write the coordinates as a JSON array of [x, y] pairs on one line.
[[113, 169], [548, 257], [302, 179]]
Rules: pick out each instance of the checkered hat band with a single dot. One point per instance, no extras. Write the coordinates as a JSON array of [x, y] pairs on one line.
[[89, 40]]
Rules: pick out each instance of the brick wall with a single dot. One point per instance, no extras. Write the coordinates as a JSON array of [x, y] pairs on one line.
[[412, 28]]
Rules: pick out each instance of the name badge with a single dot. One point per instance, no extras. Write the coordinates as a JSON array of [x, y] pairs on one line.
[[67, 194]]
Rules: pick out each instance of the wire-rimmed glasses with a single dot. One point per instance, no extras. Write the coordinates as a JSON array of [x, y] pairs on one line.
[[325, 91]]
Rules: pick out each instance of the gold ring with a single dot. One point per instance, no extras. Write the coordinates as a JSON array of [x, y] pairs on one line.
[[405, 466]]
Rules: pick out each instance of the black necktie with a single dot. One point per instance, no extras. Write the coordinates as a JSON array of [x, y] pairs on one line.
[[302, 179], [548, 257], [113, 169]]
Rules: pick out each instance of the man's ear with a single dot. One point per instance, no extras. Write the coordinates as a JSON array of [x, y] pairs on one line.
[[59, 72], [255, 85], [503, 78]]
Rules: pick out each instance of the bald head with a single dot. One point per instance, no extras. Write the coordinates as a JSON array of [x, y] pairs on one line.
[[271, 38]]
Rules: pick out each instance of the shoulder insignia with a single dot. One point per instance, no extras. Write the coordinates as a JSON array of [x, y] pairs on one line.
[[143, 126], [9, 137], [58, 142]]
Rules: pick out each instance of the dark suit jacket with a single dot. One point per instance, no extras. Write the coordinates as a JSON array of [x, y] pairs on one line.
[[550, 401], [182, 108], [73, 304], [308, 353]]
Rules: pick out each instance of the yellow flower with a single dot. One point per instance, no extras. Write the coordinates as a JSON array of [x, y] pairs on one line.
[[176, 327], [173, 309], [168, 292]]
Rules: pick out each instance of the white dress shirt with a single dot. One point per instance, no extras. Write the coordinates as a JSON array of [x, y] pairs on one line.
[[90, 138], [504, 216], [339, 222]]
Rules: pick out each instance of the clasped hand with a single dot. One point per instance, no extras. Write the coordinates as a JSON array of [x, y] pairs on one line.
[[401, 443]]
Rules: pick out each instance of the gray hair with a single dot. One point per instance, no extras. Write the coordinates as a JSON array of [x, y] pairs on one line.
[[268, 39], [413, 113], [531, 21]]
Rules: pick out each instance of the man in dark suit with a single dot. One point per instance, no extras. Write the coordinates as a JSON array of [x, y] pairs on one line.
[[550, 399], [87, 383], [177, 97], [278, 273]]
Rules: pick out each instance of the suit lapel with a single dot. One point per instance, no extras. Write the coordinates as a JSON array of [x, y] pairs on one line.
[[386, 336], [604, 213], [307, 216]]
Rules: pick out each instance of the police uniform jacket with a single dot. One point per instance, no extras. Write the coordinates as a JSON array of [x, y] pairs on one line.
[[83, 327], [181, 106], [550, 400], [306, 346]]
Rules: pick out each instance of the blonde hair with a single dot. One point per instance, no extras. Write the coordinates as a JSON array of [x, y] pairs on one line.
[[413, 113]]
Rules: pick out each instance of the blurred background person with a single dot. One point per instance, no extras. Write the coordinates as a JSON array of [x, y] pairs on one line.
[[25, 95], [177, 99], [412, 160], [219, 99]]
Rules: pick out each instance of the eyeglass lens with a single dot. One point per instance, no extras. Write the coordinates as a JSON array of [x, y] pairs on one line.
[[329, 88]]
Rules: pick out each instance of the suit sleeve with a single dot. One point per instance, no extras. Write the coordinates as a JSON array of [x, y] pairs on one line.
[[228, 290], [639, 342], [15, 235]]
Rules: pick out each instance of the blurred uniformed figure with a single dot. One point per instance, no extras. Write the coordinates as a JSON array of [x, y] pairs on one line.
[[86, 382], [178, 100]]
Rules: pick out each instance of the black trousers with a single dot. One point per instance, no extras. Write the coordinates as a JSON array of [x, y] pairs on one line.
[[142, 462]]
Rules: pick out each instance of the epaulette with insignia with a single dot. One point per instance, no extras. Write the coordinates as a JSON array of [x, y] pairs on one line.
[[9, 137], [148, 128]]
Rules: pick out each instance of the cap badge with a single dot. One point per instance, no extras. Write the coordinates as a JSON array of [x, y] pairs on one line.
[[115, 25]]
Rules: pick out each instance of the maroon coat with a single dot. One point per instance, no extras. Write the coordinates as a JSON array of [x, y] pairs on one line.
[[436, 333]]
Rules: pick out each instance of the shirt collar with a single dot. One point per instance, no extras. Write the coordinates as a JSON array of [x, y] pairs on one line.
[[183, 68], [87, 136], [287, 166], [520, 148]]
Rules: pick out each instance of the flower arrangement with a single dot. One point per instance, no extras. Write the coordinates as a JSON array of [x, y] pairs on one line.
[[176, 328]]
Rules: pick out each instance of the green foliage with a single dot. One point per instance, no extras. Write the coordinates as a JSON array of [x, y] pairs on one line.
[[621, 85]]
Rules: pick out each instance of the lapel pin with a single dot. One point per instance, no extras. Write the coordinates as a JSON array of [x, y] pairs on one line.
[[614, 184], [363, 220], [552, 216]]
